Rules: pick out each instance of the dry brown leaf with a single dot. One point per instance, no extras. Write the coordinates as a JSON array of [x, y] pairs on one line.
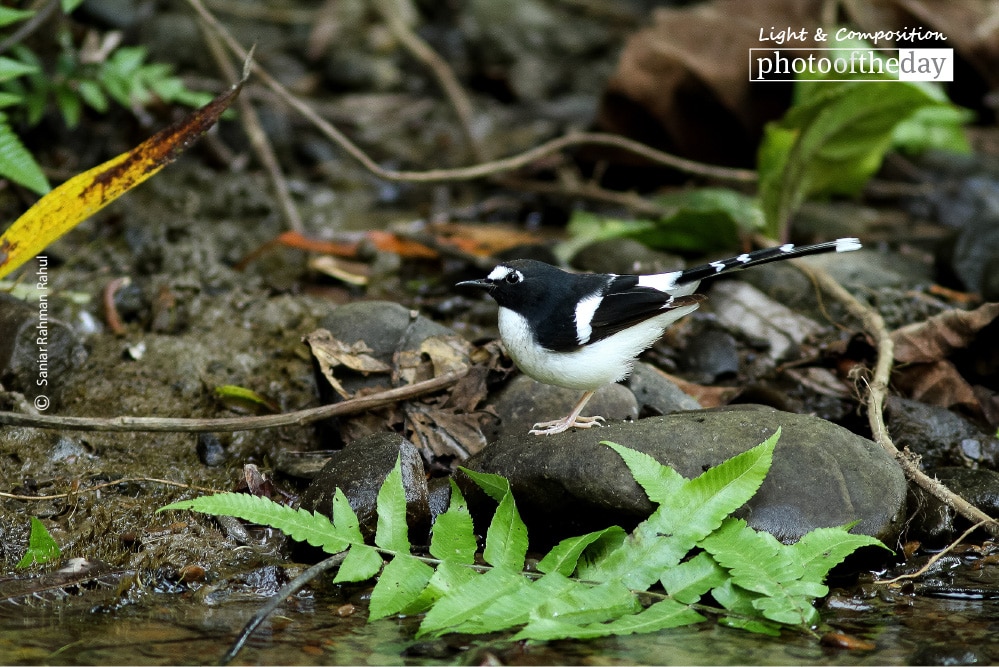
[[447, 353], [937, 383], [937, 337], [447, 432], [696, 57], [470, 391], [330, 353]]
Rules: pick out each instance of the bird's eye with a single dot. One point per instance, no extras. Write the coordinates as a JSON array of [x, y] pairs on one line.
[[513, 278]]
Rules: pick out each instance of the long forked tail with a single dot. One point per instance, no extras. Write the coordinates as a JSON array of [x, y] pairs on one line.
[[746, 260]]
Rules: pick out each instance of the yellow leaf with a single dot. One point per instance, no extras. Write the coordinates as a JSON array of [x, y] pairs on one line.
[[83, 195]]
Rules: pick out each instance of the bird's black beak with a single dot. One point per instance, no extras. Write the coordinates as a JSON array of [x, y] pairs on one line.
[[482, 283]]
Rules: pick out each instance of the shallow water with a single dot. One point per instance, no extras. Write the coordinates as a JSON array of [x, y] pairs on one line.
[[177, 629]]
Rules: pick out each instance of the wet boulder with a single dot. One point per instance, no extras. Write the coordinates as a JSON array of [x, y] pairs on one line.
[[822, 474]]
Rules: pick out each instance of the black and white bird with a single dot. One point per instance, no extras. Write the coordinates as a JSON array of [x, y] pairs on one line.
[[582, 331]]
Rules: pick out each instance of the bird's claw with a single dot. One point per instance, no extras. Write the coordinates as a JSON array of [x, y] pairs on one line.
[[560, 425]]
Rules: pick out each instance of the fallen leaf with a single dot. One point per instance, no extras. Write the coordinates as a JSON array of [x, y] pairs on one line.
[[746, 309], [330, 353], [447, 353], [245, 400], [695, 57], [936, 383], [353, 273], [85, 194], [447, 432], [936, 338]]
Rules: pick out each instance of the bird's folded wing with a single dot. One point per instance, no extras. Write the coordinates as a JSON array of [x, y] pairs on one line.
[[619, 310]]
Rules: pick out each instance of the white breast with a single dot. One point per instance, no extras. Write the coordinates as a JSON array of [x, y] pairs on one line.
[[592, 366]]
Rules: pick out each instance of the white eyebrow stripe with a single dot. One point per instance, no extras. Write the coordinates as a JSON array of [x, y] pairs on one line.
[[499, 273], [585, 310]]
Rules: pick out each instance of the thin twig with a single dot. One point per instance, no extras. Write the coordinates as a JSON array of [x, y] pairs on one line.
[[878, 390], [438, 66], [98, 487], [934, 558], [181, 425], [486, 168], [36, 21], [258, 138], [275, 601]]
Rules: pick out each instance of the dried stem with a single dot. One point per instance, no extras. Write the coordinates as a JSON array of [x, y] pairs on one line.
[[483, 169], [438, 66], [255, 132], [182, 425], [878, 390]]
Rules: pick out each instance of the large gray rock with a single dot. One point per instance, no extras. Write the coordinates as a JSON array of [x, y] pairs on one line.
[[822, 474], [524, 402]]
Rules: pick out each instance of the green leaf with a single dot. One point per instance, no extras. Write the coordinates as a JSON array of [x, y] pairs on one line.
[[9, 15], [659, 482], [69, 105], [933, 128], [400, 584], [660, 616], [506, 537], [41, 547], [448, 576], [453, 536], [704, 219], [695, 510], [94, 96], [831, 143], [11, 69], [495, 486], [824, 548], [700, 220], [392, 532], [565, 555], [69, 5], [9, 99], [518, 606], [361, 563], [691, 579], [741, 603], [759, 563], [302, 525], [470, 599], [17, 164]]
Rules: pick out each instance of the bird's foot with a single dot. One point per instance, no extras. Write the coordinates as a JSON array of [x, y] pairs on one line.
[[560, 425]]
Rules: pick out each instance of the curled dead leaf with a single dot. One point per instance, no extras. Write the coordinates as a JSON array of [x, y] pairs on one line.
[[934, 339], [330, 353]]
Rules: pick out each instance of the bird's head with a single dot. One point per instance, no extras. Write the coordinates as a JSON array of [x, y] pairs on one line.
[[521, 281]]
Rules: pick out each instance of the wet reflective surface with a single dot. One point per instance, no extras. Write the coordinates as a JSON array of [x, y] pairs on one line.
[[178, 629]]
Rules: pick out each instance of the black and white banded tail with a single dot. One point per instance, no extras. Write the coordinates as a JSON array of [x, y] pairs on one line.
[[757, 257]]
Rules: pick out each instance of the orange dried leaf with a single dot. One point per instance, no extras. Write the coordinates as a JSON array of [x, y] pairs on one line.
[[83, 195], [389, 242]]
